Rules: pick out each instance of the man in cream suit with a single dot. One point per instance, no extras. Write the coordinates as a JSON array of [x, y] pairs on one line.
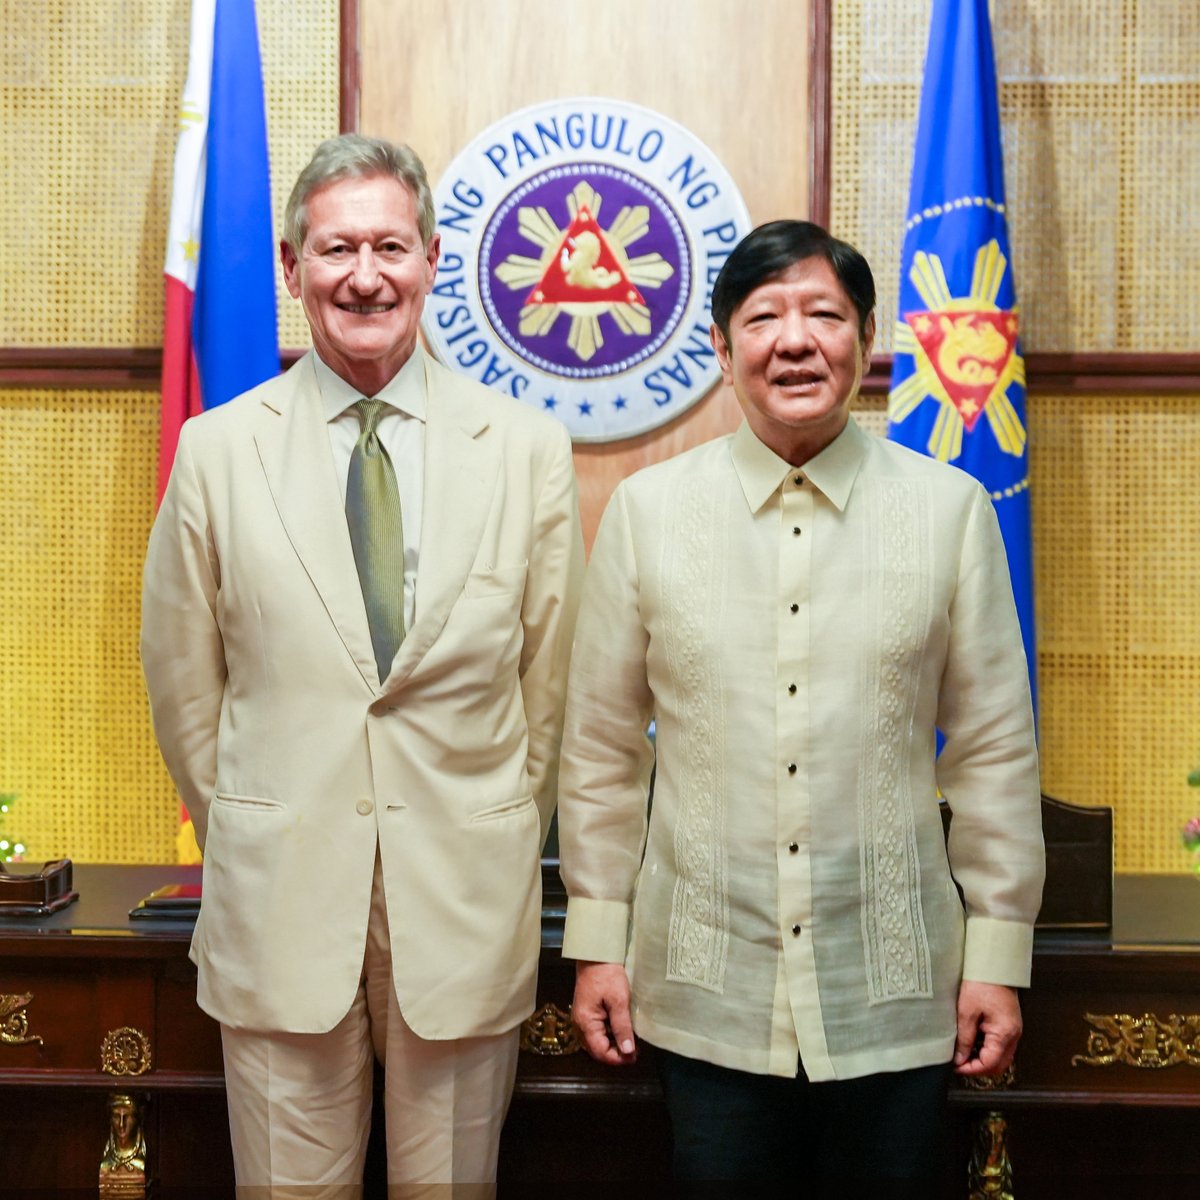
[[358, 605]]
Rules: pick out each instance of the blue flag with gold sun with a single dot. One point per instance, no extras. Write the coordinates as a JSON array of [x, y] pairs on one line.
[[958, 378]]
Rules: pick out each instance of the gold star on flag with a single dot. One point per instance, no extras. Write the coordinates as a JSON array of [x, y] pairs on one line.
[[191, 250]]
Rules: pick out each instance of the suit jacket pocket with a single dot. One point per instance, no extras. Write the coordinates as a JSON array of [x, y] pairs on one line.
[[500, 581], [246, 803], [509, 808]]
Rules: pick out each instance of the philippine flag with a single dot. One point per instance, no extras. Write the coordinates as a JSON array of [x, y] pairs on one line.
[[219, 332], [219, 329]]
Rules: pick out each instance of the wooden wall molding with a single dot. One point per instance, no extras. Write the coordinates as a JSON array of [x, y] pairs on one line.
[[133, 367], [140, 367], [128, 368], [1084, 374]]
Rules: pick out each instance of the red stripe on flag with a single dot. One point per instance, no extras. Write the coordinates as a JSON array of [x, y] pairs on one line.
[[180, 393], [180, 383]]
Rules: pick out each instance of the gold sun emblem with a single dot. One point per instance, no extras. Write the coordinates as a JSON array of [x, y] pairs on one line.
[[584, 271], [965, 351]]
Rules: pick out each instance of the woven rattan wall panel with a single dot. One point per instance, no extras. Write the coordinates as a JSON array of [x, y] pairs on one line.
[[300, 70], [1116, 527], [1100, 106], [89, 100], [1116, 515], [77, 486]]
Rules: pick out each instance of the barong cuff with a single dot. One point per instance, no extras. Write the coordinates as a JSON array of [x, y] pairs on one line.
[[596, 930], [998, 952]]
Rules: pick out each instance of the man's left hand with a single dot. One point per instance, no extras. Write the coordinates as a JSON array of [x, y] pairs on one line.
[[989, 1027]]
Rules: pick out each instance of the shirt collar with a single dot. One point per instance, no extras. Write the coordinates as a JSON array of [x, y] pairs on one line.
[[832, 472], [405, 390]]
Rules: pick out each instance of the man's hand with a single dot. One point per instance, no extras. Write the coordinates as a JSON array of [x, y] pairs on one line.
[[989, 1027], [601, 1012]]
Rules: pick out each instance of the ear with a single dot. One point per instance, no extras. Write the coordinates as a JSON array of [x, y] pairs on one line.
[[724, 359], [291, 270], [868, 341], [431, 260]]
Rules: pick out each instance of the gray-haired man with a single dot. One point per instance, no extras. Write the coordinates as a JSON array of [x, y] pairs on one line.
[[359, 600]]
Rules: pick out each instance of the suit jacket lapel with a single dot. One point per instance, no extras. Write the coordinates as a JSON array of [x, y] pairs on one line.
[[460, 477], [295, 455]]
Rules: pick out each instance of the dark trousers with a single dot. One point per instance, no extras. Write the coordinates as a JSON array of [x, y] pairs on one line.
[[742, 1135]]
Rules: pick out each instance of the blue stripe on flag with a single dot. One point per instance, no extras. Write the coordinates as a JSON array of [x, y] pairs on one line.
[[234, 319], [958, 378]]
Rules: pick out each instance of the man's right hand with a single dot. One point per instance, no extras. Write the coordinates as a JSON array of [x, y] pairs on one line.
[[601, 1012]]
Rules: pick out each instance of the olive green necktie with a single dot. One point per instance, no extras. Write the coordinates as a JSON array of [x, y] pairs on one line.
[[377, 535]]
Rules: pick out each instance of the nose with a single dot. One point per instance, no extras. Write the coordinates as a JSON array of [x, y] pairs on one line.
[[365, 274], [795, 332]]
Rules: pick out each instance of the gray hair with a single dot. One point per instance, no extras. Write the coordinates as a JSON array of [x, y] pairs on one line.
[[352, 156]]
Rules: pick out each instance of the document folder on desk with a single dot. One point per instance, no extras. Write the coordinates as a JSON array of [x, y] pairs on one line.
[[171, 902]]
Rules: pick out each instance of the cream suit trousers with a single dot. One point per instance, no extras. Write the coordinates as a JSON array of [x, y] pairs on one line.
[[300, 1104]]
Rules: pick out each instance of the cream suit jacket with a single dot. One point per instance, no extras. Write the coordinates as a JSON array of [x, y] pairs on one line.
[[294, 761]]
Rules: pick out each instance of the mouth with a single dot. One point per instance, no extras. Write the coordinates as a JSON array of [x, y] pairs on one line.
[[796, 379], [366, 310]]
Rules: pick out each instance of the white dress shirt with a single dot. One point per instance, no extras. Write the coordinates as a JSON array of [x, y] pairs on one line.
[[798, 634], [401, 428]]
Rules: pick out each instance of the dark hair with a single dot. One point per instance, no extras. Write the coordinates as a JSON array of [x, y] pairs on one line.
[[766, 252]]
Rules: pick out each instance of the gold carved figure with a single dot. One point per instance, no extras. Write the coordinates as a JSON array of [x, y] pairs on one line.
[[123, 1167], [990, 1174], [14, 1022], [992, 1083], [549, 1032], [1144, 1041], [125, 1051]]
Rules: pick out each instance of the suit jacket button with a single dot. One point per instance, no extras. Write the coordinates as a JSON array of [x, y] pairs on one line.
[[364, 808]]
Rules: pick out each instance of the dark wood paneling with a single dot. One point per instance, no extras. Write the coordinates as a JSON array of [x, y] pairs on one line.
[[348, 67], [820, 113]]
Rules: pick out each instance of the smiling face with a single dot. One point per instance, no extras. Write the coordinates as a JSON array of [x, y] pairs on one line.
[[362, 276], [795, 357]]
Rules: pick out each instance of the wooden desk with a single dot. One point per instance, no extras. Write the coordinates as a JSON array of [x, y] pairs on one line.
[[1106, 1096], [1077, 1125], [91, 972]]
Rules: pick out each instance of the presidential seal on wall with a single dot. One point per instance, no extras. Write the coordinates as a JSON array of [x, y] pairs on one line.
[[580, 242]]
